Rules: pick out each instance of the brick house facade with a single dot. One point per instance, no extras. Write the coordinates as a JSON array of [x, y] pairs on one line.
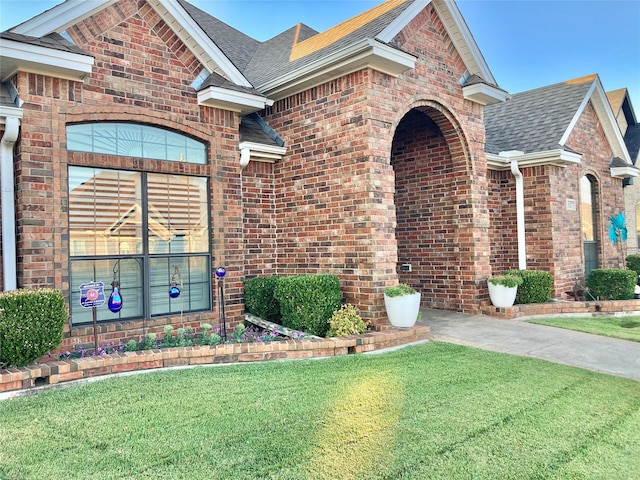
[[353, 151]]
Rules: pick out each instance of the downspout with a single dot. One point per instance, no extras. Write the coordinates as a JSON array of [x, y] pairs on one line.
[[245, 156], [12, 126], [522, 248]]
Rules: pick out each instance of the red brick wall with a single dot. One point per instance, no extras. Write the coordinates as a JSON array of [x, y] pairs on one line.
[[335, 207], [142, 73], [260, 228], [589, 139], [553, 232]]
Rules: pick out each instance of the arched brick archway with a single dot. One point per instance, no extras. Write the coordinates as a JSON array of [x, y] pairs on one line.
[[434, 211]]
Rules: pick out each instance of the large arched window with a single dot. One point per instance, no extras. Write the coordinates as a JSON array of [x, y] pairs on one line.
[[135, 140], [589, 216], [143, 229]]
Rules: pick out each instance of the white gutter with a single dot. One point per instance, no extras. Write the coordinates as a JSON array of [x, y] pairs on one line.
[[11, 128], [522, 247]]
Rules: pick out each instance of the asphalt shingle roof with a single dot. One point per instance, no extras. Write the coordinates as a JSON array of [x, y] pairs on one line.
[[254, 129], [53, 40], [535, 120], [238, 47]]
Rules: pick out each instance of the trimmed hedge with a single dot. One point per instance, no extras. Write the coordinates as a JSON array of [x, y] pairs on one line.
[[612, 283], [536, 287], [259, 299], [633, 263], [307, 302], [31, 323]]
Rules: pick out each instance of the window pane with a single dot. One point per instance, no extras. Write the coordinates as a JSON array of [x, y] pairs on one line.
[[178, 214], [134, 140], [105, 213], [128, 273], [586, 210], [80, 138], [191, 278]]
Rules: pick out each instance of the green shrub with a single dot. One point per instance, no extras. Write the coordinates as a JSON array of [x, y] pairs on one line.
[[508, 281], [399, 290], [308, 301], [346, 321], [536, 287], [31, 323], [259, 299], [612, 283], [633, 263]]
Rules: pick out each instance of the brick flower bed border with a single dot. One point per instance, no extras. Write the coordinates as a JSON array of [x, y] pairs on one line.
[[598, 307], [39, 375]]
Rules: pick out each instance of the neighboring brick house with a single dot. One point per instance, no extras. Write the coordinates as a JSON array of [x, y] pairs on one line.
[[146, 141], [630, 129], [563, 141]]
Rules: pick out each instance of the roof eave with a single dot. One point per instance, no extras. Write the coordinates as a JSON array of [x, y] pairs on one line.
[[190, 33], [484, 94], [557, 157], [9, 112], [235, 101], [367, 53], [60, 17], [628, 171], [598, 98], [24, 57], [263, 153]]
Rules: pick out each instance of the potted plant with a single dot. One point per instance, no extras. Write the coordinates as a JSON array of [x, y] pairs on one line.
[[403, 305], [503, 289]]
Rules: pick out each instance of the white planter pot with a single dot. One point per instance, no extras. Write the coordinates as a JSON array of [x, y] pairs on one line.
[[403, 311], [502, 296]]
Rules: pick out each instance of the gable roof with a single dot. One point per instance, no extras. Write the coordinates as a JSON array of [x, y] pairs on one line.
[[541, 120]]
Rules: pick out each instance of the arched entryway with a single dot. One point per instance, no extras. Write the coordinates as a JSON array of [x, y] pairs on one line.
[[434, 211]]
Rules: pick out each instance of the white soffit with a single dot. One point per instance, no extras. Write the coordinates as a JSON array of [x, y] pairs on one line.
[[559, 158], [61, 16], [24, 57], [597, 96], [198, 42], [232, 100], [484, 94], [402, 20], [625, 172], [462, 39], [367, 53]]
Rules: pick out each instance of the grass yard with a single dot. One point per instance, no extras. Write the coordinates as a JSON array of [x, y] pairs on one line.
[[625, 328], [436, 411]]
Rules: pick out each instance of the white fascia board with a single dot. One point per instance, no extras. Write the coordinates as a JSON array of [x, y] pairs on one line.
[[560, 158], [484, 94], [402, 21], [192, 35], [602, 107], [24, 57], [625, 172], [264, 153], [9, 112], [366, 53], [232, 100], [462, 39], [61, 16]]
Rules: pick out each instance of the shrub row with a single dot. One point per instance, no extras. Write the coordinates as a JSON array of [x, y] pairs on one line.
[[31, 323], [536, 286], [303, 302], [612, 283]]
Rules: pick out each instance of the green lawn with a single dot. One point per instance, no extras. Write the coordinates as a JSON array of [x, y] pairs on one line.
[[430, 411], [626, 328]]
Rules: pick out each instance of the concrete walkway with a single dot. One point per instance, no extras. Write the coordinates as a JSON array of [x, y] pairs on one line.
[[593, 352]]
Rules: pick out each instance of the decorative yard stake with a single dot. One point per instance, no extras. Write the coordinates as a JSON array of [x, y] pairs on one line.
[[220, 273], [618, 232]]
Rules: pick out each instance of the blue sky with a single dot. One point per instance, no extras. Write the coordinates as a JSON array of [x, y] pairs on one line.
[[526, 43]]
